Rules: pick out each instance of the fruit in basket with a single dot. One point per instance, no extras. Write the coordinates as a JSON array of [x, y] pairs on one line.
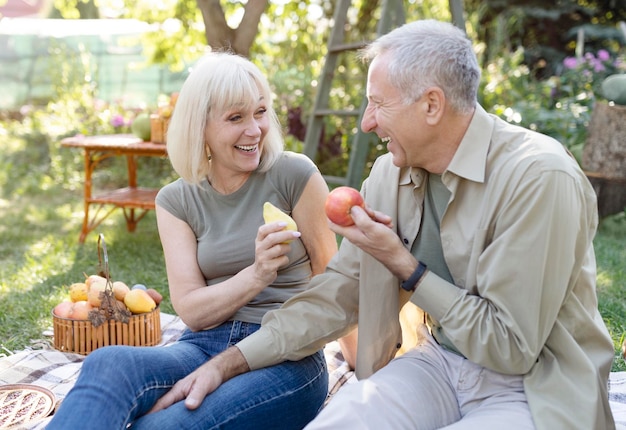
[[165, 111], [63, 309], [139, 301], [93, 278], [78, 291], [156, 296], [80, 310], [93, 295], [139, 287], [120, 289]]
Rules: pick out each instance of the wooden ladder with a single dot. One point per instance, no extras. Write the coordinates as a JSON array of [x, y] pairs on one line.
[[392, 15]]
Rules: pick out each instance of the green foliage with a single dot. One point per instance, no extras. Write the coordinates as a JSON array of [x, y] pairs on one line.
[[550, 31], [559, 106]]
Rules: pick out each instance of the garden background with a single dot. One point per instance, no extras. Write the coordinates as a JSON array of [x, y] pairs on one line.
[[542, 68]]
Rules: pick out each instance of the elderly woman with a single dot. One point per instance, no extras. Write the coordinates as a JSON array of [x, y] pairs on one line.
[[226, 268]]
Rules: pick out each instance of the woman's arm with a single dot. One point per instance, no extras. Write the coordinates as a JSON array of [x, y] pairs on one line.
[[202, 307], [320, 242]]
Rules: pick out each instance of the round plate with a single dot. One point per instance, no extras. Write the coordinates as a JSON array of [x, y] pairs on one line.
[[24, 403]]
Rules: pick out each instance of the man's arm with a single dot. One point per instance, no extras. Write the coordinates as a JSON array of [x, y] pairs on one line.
[[204, 380]]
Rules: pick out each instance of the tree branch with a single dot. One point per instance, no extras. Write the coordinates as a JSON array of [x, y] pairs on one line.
[[249, 26]]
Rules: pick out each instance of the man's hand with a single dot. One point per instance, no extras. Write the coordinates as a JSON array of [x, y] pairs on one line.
[[373, 233], [204, 380]]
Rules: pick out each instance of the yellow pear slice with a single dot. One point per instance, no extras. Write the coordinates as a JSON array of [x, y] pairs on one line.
[[272, 214]]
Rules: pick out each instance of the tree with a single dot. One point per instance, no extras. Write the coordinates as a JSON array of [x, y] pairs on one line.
[[220, 35], [164, 44]]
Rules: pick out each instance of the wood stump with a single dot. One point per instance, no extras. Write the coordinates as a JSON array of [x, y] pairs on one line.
[[604, 157]]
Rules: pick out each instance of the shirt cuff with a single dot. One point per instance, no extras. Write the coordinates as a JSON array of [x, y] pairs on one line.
[[435, 295], [258, 349]]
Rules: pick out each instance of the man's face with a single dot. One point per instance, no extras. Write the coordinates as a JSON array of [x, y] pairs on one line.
[[399, 125]]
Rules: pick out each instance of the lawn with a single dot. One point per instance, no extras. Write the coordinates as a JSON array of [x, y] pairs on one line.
[[40, 255]]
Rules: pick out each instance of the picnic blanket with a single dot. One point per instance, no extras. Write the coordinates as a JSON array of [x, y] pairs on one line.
[[57, 371]]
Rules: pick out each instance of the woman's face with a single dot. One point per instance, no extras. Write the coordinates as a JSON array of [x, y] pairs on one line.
[[234, 136]]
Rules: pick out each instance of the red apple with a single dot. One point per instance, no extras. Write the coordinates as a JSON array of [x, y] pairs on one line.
[[339, 202]]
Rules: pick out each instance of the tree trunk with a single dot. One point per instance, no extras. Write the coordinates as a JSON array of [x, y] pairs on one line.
[[604, 157], [220, 36]]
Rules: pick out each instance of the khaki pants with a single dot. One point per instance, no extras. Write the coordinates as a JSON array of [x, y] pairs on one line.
[[429, 388]]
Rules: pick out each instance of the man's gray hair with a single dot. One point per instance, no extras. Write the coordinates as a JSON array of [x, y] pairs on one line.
[[428, 53]]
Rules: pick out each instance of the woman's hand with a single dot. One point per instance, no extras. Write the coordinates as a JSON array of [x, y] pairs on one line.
[[271, 247]]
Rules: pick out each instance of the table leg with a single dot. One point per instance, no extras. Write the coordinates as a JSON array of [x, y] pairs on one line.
[[92, 158], [129, 213], [89, 166]]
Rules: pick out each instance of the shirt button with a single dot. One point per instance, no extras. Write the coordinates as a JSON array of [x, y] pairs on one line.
[[398, 345], [406, 241]]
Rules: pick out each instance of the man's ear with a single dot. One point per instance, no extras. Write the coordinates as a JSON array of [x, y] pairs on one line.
[[435, 101]]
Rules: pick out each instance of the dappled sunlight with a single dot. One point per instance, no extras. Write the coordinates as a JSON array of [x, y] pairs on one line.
[[604, 280], [512, 115], [42, 259]]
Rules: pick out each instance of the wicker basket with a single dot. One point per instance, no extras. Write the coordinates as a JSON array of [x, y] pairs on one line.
[[21, 405], [158, 128], [81, 337]]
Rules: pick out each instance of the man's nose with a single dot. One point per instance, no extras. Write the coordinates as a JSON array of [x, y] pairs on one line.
[[368, 122]]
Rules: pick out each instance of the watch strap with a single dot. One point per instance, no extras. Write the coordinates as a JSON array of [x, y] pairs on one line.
[[411, 283]]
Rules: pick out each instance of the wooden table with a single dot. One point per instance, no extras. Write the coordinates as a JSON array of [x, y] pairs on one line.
[[134, 201]]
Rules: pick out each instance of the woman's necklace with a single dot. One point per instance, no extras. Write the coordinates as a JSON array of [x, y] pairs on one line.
[[227, 189]]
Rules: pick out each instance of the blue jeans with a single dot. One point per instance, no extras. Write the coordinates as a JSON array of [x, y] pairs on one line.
[[117, 385]]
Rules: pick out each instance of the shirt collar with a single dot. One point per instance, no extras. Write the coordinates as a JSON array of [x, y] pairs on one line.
[[412, 175], [470, 158]]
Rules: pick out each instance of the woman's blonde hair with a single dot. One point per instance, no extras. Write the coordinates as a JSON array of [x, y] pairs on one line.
[[218, 82]]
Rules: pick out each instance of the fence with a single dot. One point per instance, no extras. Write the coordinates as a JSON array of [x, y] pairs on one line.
[[34, 53]]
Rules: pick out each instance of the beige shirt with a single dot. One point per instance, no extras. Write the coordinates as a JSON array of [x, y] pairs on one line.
[[517, 236]]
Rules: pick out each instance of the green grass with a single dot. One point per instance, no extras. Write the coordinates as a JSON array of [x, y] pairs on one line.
[[40, 219], [610, 246]]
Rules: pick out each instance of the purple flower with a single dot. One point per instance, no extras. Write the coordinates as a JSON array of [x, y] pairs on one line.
[[603, 55], [598, 66], [570, 62], [117, 120]]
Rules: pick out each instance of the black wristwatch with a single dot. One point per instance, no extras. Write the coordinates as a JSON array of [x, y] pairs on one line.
[[411, 283]]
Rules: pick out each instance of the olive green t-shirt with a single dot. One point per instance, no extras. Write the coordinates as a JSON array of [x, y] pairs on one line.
[[428, 249], [226, 227]]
